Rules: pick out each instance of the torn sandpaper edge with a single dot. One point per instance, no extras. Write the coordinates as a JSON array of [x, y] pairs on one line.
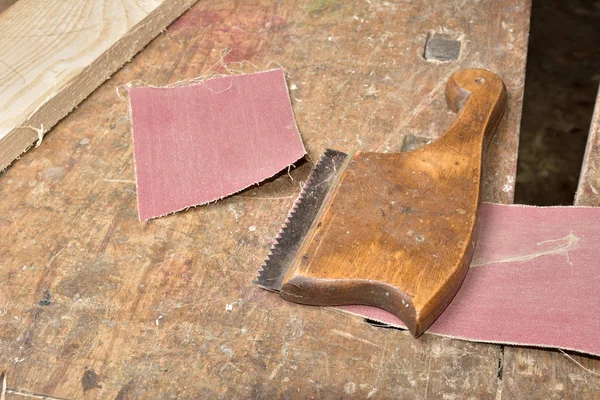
[[200, 143], [534, 281]]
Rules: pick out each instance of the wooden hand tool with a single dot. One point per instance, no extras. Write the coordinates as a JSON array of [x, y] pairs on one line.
[[394, 231]]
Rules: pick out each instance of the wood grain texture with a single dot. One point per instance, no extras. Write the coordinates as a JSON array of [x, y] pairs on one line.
[[588, 189], [399, 229], [56, 52], [144, 305]]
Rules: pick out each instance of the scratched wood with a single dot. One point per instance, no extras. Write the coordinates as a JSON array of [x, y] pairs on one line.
[[95, 304], [551, 374], [56, 52]]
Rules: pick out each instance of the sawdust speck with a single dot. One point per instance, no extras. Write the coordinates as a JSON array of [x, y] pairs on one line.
[[509, 185], [350, 388]]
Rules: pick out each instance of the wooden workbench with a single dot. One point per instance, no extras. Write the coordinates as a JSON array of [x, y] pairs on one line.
[[95, 304]]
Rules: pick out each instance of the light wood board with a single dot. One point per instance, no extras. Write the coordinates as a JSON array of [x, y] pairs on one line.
[[56, 52], [588, 190]]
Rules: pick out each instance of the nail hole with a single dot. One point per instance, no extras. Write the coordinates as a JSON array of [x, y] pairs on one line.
[[479, 81]]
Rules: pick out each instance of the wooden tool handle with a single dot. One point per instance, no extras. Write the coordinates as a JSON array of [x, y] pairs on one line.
[[480, 97], [398, 230]]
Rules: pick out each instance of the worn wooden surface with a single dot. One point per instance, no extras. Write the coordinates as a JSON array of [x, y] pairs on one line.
[[95, 304], [56, 52]]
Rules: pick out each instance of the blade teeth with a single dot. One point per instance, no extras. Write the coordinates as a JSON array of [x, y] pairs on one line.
[[265, 277], [307, 184], [292, 212]]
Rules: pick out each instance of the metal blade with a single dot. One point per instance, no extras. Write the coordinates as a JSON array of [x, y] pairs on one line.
[[299, 220]]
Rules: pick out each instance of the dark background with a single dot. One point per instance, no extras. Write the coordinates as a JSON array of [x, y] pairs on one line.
[[563, 72]]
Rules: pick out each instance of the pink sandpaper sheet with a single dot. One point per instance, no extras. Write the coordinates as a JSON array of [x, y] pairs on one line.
[[198, 143], [534, 280]]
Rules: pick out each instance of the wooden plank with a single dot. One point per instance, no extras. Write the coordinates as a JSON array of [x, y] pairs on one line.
[[588, 189], [167, 308], [56, 52]]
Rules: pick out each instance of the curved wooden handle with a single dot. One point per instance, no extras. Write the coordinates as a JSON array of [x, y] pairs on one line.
[[480, 97], [398, 230]]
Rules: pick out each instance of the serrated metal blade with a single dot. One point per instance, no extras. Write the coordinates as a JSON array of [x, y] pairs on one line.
[[299, 220]]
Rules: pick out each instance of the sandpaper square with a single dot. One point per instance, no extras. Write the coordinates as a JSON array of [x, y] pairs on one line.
[[199, 143]]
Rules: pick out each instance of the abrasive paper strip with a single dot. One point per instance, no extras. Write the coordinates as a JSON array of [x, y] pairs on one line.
[[534, 280], [198, 143]]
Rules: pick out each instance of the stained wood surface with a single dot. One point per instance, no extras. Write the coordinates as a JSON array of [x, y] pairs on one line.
[[398, 231], [56, 52], [92, 297]]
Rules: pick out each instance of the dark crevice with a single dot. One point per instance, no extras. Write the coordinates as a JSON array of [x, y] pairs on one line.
[[500, 362], [379, 324], [563, 71], [500, 370]]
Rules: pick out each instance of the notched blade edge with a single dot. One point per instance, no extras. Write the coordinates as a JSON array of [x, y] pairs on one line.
[[299, 220]]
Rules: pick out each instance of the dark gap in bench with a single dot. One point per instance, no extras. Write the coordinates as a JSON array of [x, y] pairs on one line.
[[563, 71]]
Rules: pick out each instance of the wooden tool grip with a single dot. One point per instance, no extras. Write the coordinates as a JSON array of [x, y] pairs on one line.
[[397, 231], [479, 96]]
